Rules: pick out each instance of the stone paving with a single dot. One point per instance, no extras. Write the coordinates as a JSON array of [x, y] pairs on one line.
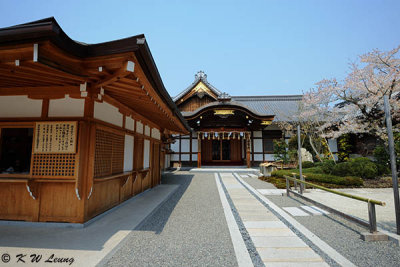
[[385, 215], [276, 244]]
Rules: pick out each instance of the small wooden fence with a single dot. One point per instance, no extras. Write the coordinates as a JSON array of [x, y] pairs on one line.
[[371, 202]]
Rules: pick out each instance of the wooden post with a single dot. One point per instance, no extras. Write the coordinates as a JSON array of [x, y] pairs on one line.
[[190, 148], [247, 150], [180, 150], [252, 147], [198, 150]]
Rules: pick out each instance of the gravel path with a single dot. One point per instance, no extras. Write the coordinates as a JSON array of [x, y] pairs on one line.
[[188, 230], [340, 234]]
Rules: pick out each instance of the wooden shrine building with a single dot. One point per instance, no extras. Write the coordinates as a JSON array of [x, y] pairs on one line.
[[82, 126], [228, 130]]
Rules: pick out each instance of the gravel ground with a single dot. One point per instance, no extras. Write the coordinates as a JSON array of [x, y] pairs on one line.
[[187, 230], [340, 234]]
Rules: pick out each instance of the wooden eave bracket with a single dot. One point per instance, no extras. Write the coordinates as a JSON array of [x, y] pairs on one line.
[[127, 68], [32, 188]]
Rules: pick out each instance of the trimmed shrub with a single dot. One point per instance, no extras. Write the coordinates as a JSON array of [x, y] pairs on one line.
[[323, 178], [313, 170], [342, 169], [364, 168], [327, 166], [382, 169], [307, 164]]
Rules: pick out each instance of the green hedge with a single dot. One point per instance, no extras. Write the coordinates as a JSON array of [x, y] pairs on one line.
[[360, 167], [322, 178], [307, 164]]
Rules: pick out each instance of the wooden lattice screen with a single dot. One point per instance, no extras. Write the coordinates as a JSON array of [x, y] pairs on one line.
[[54, 165], [109, 153]]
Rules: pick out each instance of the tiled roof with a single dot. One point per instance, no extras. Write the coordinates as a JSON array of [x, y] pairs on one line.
[[282, 106]]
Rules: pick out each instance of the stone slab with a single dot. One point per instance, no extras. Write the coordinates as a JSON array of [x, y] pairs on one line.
[[278, 242], [294, 211], [288, 254], [264, 224], [314, 210], [270, 232]]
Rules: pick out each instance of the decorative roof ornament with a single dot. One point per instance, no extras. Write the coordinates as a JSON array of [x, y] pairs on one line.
[[200, 75], [224, 97]]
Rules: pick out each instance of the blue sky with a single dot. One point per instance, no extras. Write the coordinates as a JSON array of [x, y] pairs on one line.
[[245, 47]]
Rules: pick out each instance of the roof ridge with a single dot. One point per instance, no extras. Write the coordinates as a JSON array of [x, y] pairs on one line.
[[200, 76]]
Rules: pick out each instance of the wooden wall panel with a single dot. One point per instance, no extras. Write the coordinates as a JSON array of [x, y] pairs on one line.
[[146, 181], [137, 186], [105, 196], [58, 202], [206, 150], [16, 203], [157, 161], [194, 103], [125, 190], [236, 150], [138, 157]]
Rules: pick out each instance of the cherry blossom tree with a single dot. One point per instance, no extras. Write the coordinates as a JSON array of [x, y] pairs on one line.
[[355, 105]]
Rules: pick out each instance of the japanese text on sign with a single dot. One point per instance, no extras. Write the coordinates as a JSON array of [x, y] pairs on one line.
[[55, 137]]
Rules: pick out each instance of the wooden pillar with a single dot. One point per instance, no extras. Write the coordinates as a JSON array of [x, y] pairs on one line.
[[247, 150], [198, 150], [252, 147], [263, 148], [190, 148], [180, 150]]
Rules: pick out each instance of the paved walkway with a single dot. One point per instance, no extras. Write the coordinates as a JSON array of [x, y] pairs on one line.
[[275, 243], [204, 219]]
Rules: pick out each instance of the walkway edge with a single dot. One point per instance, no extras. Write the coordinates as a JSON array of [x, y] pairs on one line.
[[328, 250], [242, 255]]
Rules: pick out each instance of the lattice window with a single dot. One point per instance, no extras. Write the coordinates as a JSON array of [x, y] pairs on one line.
[[109, 153], [55, 165]]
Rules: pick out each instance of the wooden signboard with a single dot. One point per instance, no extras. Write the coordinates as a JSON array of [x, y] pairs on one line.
[[55, 137]]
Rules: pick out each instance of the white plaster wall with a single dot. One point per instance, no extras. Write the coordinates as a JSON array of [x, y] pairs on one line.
[[139, 127], [194, 145], [269, 157], [185, 145], [175, 146], [333, 145], [257, 134], [66, 107], [155, 133], [146, 154], [257, 145], [128, 153], [175, 157], [108, 113], [19, 106], [258, 157], [147, 130], [129, 123]]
